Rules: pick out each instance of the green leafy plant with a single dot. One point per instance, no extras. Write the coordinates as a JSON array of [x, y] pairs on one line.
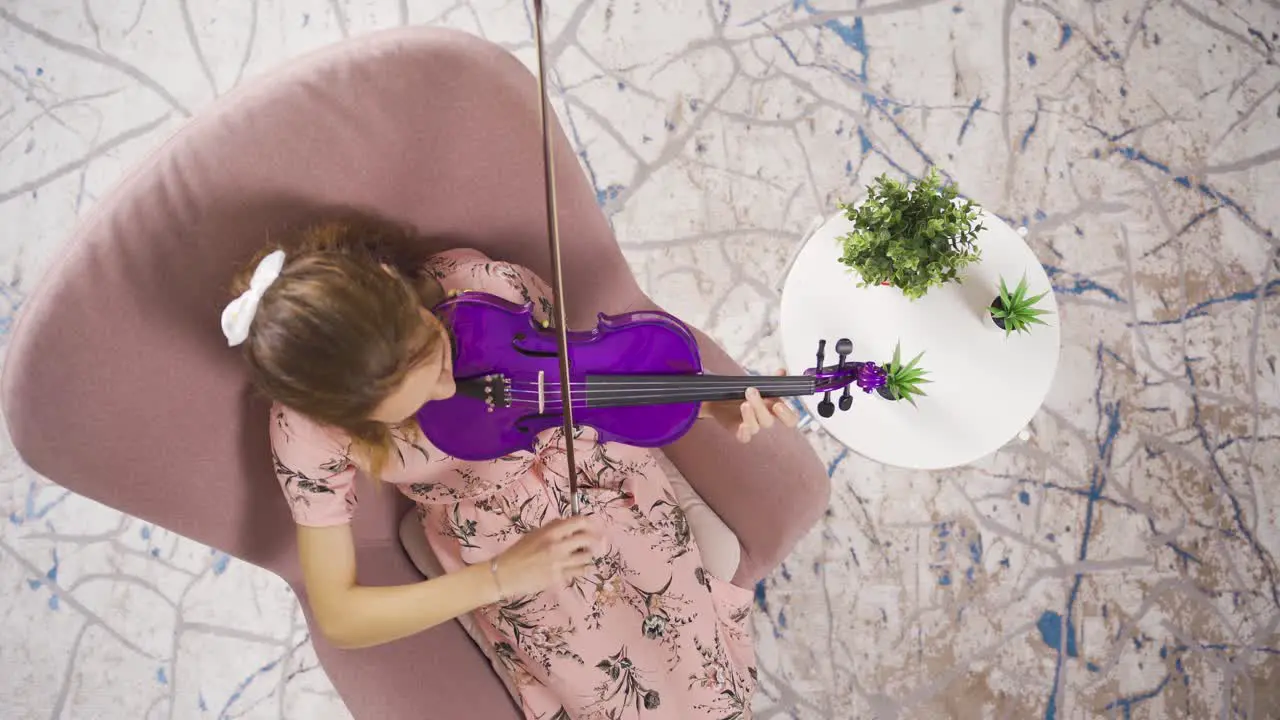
[[1014, 311], [913, 237], [902, 382]]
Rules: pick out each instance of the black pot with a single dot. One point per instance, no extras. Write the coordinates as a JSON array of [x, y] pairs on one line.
[[884, 392], [998, 303]]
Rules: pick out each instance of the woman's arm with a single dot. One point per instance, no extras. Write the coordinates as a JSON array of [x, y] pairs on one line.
[[356, 616]]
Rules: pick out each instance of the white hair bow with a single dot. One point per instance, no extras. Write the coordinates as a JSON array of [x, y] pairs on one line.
[[238, 315]]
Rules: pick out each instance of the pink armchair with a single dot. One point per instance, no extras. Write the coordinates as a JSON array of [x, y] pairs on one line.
[[120, 387]]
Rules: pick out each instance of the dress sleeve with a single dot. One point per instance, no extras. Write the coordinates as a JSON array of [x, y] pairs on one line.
[[467, 270], [314, 470]]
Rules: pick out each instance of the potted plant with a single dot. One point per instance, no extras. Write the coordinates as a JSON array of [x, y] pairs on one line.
[[912, 236], [1014, 311], [894, 380]]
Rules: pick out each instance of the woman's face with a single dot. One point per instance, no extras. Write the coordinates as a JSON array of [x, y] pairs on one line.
[[431, 379]]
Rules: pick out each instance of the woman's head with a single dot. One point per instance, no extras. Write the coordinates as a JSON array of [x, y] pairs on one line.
[[342, 335]]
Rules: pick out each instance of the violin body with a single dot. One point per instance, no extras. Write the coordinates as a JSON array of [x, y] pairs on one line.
[[636, 379], [507, 369]]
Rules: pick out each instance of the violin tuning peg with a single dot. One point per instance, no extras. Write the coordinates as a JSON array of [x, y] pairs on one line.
[[846, 400], [826, 408], [843, 348], [822, 346]]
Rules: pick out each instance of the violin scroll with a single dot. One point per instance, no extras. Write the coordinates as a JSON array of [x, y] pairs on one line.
[[833, 378]]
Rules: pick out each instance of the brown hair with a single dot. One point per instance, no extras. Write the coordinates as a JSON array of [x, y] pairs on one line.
[[340, 328]]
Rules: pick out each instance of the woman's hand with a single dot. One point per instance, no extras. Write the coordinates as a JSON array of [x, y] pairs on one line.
[[748, 417], [550, 555]]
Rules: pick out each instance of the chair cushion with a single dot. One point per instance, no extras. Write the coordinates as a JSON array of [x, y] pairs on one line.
[[424, 559]]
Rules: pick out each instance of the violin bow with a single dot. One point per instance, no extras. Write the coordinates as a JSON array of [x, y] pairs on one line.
[[557, 273]]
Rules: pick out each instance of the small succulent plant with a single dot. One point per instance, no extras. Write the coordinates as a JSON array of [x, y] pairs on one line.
[[902, 382], [1012, 311]]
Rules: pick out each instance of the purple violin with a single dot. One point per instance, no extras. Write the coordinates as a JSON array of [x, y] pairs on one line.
[[636, 379]]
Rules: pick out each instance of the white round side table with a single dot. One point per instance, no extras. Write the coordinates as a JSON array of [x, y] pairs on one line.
[[984, 387]]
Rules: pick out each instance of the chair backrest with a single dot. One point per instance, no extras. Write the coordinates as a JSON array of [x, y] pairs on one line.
[[118, 383]]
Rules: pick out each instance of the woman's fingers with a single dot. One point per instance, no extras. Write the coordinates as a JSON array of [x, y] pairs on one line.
[[787, 414], [761, 411], [579, 555], [579, 525], [748, 427], [579, 562], [576, 545]]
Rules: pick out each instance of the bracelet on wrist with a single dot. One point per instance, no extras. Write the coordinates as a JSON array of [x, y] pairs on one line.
[[497, 582]]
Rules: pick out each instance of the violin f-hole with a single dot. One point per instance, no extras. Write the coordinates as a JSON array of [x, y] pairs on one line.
[[522, 422], [515, 345]]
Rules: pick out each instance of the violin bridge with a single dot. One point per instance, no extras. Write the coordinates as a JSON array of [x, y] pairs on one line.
[[542, 395]]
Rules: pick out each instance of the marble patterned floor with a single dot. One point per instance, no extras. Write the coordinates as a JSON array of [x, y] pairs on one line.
[[1119, 563]]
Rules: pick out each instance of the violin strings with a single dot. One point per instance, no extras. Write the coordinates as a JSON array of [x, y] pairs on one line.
[[656, 396], [643, 393], [702, 381], [682, 395], [742, 384], [584, 403], [658, 393], [677, 389], [664, 388]]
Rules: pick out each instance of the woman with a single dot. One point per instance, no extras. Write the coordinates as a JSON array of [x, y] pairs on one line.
[[610, 614]]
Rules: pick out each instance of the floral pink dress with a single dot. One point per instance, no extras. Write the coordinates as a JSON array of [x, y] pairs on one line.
[[648, 634]]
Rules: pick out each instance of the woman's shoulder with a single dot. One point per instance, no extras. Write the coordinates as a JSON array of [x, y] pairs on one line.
[[444, 264], [293, 433], [465, 269], [469, 261], [460, 255], [314, 469]]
